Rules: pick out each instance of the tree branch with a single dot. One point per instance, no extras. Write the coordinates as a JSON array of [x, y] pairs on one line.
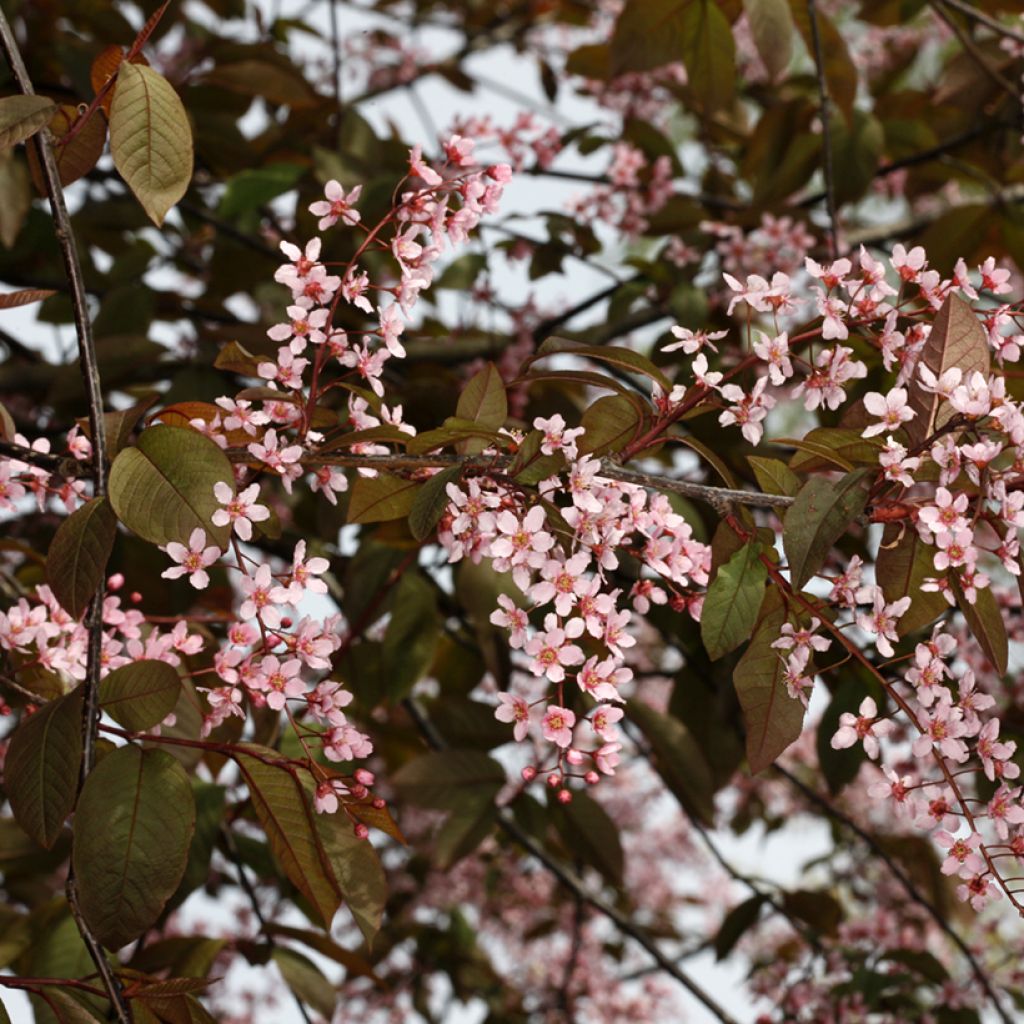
[[971, 49], [984, 19], [574, 884], [91, 378]]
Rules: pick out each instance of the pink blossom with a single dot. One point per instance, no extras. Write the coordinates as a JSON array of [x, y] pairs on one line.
[[241, 510], [338, 206], [194, 559], [864, 726], [514, 709], [558, 725], [891, 408], [551, 650]]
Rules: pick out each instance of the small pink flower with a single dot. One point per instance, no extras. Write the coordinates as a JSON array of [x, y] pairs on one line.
[[558, 724], [337, 206], [864, 726], [194, 559], [891, 409], [514, 709], [240, 510]]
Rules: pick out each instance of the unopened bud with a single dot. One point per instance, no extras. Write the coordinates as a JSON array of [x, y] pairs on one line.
[[591, 778], [380, 803], [360, 792], [554, 780], [529, 773], [363, 777], [573, 756], [564, 796], [135, 597], [115, 582], [361, 831]]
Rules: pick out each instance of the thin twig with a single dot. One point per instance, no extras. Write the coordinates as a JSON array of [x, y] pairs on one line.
[[904, 880], [987, 20], [91, 377], [576, 885], [63, 465], [970, 47], [826, 131]]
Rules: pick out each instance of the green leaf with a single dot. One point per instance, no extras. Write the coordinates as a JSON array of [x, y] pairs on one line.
[[286, 813], [591, 834], [357, 871], [306, 980], [736, 923], [828, 447], [772, 28], [903, 563], [820, 515], [78, 555], [42, 765], [709, 54], [609, 425], [16, 189], [442, 780], [648, 34], [483, 401], [133, 827], [411, 636], [141, 694], [732, 602], [623, 358], [209, 800], [354, 963], [774, 476], [957, 339], [463, 831], [772, 719], [162, 488], [985, 622], [251, 188], [22, 116], [150, 138], [430, 502], [678, 759], [376, 499]]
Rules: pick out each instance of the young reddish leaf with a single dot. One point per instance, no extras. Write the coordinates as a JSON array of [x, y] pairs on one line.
[[357, 870], [24, 297], [150, 139], [957, 339], [104, 67], [141, 694], [818, 517], [286, 813], [133, 827], [678, 759], [904, 562], [162, 488], [772, 28], [774, 476], [733, 600], [78, 555], [42, 765], [380, 498], [77, 157], [483, 402], [609, 425], [772, 718], [444, 779], [648, 34], [985, 622], [709, 54], [22, 116]]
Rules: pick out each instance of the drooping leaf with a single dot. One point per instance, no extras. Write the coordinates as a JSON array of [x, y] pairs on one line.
[[774, 476], [772, 28], [141, 694], [904, 562], [648, 34], [306, 980], [732, 602], [772, 718], [736, 924], [709, 54], [463, 831], [609, 425], [289, 821], [613, 355], [75, 157], [78, 555], [985, 622], [357, 871], [16, 190], [818, 517], [133, 827], [22, 116], [162, 488], [840, 71], [957, 339], [591, 834], [380, 498], [150, 138], [678, 759], [42, 765], [430, 502], [444, 778]]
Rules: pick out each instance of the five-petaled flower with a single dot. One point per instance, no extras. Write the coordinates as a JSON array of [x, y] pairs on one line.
[[194, 559]]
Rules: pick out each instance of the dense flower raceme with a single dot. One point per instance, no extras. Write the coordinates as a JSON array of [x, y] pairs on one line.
[[569, 616]]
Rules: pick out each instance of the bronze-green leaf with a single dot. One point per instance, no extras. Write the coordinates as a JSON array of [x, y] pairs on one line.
[[382, 497], [42, 765], [78, 555], [903, 563], [818, 517], [985, 622], [732, 601], [772, 28], [133, 828], [162, 488], [22, 116], [140, 694], [150, 138], [357, 870]]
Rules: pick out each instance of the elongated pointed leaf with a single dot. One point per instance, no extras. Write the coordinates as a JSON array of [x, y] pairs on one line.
[[648, 34], [609, 425], [286, 813], [818, 517], [133, 828], [162, 488], [357, 870], [42, 765], [78, 555], [443, 779], [483, 402], [957, 339], [430, 502], [772, 718], [150, 138], [986, 625], [709, 54], [904, 562], [732, 602], [772, 28], [141, 694], [592, 835], [613, 355], [380, 498], [24, 297], [77, 157], [774, 476]]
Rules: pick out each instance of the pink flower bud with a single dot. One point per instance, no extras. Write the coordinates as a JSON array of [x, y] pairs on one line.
[[573, 756], [564, 796], [529, 773], [361, 831], [115, 582], [364, 777], [591, 778]]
